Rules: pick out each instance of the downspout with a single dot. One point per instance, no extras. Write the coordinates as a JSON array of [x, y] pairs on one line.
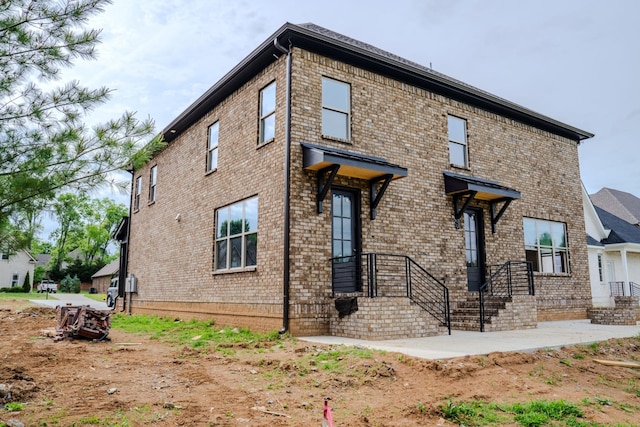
[[125, 254], [286, 277]]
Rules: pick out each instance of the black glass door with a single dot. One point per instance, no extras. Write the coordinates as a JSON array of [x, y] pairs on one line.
[[345, 240], [473, 239]]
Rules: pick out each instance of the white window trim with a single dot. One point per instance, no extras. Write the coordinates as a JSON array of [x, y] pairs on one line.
[[464, 144], [211, 149], [138, 194], [153, 183], [347, 113], [265, 115]]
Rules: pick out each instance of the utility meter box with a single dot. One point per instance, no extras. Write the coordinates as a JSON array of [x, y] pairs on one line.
[[131, 284]]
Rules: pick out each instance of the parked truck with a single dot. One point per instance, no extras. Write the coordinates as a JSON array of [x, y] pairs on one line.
[[47, 285]]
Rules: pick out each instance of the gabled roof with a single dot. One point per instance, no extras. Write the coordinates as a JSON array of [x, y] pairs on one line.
[[619, 203], [593, 242], [328, 43], [108, 270], [621, 230]]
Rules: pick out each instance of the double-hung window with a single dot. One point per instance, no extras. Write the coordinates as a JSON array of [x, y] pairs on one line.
[[212, 146], [336, 108], [546, 245], [15, 280], [153, 178], [136, 199], [236, 243], [267, 113], [458, 150]]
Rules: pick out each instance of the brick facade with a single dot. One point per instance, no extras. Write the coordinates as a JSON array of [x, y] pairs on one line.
[[405, 124]]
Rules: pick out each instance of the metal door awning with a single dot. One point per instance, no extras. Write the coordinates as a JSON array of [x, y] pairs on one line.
[[465, 189], [331, 162]]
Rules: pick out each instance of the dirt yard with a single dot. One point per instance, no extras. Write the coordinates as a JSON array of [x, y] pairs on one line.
[[132, 381]]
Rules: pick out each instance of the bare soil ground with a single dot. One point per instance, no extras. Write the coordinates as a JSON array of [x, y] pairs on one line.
[[131, 380]]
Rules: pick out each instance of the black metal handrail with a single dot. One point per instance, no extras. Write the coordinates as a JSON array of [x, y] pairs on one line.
[[635, 289], [391, 275], [617, 289], [510, 278]]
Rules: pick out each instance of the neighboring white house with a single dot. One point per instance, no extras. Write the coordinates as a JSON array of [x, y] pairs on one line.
[[614, 254], [14, 268]]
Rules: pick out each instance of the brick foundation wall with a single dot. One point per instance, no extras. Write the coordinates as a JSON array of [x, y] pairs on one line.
[[625, 312], [385, 319], [520, 313]]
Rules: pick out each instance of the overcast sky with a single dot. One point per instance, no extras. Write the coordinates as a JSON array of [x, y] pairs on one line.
[[577, 61]]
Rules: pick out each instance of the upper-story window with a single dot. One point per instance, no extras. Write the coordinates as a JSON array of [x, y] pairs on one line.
[[136, 199], [267, 113], [546, 245], [336, 108], [458, 151], [237, 235], [5, 255], [212, 146], [153, 179]]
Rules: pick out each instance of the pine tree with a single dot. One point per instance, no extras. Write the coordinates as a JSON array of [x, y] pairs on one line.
[[45, 146]]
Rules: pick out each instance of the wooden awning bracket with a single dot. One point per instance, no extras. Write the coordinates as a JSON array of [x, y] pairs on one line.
[[459, 210], [495, 217], [376, 194], [324, 186]]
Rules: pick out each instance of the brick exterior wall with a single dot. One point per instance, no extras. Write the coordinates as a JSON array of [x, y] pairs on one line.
[[385, 319], [173, 260], [625, 312]]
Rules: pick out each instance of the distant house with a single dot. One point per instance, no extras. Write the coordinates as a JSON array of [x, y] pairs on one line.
[[14, 268], [102, 278], [624, 205], [614, 251], [330, 187]]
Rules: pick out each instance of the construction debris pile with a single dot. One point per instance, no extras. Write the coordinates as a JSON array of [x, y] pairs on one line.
[[82, 322]]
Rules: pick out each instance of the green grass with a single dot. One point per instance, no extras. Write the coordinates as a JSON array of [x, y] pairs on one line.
[[95, 297], [193, 333], [530, 414], [21, 296]]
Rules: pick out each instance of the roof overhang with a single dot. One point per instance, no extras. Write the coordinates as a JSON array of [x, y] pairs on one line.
[[363, 56], [328, 162], [464, 189], [485, 189], [121, 232], [353, 165]]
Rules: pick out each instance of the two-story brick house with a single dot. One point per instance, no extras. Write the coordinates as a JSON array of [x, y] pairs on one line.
[[325, 186]]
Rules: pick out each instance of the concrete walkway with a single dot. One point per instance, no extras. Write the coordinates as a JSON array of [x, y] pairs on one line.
[[463, 343], [71, 299]]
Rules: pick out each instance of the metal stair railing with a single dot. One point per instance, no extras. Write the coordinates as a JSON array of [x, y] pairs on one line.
[[510, 278], [634, 288], [617, 289], [391, 275]]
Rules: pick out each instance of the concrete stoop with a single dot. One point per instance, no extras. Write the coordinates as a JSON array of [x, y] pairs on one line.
[[385, 318]]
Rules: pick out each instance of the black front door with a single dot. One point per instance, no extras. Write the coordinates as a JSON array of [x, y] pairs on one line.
[[474, 242], [345, 240]]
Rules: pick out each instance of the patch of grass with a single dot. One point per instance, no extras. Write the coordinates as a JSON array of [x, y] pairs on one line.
[[578, 356], [566, 362], [14, 406], [421, 407], [633, 387], [92, 420], [474, 413], [22, 296], [193, 333], [530, 414]]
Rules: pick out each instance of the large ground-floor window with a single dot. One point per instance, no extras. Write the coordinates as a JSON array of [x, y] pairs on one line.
[[546, 245], [236, 243]]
